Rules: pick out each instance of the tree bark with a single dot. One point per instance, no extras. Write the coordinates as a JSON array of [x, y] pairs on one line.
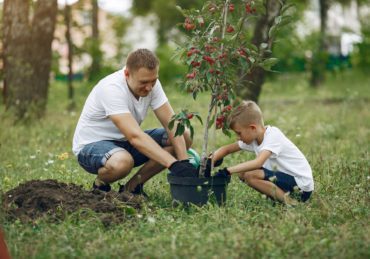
[[67, 20], [27, 55], [251, 84], [18, 69], [318, 65], [96, 54]]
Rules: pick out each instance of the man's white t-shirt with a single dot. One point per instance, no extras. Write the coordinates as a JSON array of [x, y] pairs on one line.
[[112, 96], [285, 157]]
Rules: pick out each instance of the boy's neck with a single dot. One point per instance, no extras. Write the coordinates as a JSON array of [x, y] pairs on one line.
[[260, 134]]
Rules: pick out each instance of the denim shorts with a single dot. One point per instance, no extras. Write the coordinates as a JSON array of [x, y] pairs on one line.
[[287, 183], [94, 155]]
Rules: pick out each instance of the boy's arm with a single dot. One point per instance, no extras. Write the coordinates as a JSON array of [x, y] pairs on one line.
[[224, 151], [254, 164]]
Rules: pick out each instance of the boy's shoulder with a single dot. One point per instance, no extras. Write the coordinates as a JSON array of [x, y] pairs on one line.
[[273, 130]]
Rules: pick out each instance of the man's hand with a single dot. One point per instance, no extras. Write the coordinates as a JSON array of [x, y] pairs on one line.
[[183, 168], [223, 173]]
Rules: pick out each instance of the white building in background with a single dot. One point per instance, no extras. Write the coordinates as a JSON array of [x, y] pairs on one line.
[[343, 24]]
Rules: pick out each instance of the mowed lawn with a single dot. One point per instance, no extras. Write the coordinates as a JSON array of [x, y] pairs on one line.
[[331, 125]]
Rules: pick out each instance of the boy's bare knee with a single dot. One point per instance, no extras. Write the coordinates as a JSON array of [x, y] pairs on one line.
[[249, 177]]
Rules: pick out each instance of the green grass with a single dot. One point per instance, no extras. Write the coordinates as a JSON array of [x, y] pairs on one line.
[[330, 125]]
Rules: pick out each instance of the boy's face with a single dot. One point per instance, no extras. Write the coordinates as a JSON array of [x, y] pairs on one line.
[[245, 133], [142, 81]]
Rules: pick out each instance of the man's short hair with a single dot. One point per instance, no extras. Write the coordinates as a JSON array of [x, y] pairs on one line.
[[245, 114], [142, 58]]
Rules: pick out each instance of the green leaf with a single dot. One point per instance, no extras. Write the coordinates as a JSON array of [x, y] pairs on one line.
[[195, 93], [171, 124], [272, 31], [130, 210], [187, 123], [199, 118], [268, 63], [212, 120], [191, 132], [264, 45], [179, 130], [278, 19], [285, 8]]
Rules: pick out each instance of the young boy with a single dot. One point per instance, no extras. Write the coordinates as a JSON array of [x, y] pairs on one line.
[[279, 168]]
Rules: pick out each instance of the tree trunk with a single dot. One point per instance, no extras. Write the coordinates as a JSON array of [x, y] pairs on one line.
[[27, 55], [318, 65], [251, 84], [67, 20], [95, 52], [18, 68]]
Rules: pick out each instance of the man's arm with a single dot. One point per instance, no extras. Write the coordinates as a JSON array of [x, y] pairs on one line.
[[256, 163], [140, 140], [164, 114]]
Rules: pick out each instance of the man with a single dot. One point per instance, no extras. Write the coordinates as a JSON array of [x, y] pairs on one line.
[[108, 140]]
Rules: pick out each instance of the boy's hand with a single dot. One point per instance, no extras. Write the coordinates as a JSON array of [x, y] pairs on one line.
[[223, 173], [207, 171], [183, 168]]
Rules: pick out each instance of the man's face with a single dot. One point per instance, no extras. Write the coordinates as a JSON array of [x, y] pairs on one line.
[[142, 81], [245, 133]]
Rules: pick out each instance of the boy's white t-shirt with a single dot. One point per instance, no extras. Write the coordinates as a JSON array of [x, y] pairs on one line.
[[112, 96], [285, 157]]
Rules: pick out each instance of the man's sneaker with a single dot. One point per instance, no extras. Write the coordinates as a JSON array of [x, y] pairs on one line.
[[104, 188], [139, 190]]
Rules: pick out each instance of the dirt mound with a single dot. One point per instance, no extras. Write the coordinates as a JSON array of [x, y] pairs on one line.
[[36, 198]]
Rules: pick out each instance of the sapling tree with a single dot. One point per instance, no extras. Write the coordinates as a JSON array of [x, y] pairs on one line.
[[217, 49]]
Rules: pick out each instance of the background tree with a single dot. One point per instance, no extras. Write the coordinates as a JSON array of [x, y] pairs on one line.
[[27, 54], [319, 60], [95, 52], [120, 25], [252, 82], [68, 24]]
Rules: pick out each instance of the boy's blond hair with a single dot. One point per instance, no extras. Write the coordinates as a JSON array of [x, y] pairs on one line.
[[142, 58], [245, 114]]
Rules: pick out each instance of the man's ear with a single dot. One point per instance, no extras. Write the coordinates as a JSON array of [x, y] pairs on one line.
[[125, 71]]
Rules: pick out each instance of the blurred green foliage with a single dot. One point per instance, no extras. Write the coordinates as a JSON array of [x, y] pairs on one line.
[[362, 50], [171, 69]]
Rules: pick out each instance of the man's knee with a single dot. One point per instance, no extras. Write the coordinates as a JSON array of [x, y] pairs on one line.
[[120, 162]]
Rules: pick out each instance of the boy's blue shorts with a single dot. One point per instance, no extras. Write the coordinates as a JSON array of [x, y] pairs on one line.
[[95, 155], [287, 183]]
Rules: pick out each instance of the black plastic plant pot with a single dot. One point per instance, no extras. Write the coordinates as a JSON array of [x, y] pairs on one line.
[[198, 190]]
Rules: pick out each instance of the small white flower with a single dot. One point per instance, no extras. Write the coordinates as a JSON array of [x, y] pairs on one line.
[[298, 135], [139, 216], [151, 219], [32, 157], [49, 162]]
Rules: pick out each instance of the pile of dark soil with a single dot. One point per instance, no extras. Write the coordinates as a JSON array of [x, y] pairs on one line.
[[54, 200]]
